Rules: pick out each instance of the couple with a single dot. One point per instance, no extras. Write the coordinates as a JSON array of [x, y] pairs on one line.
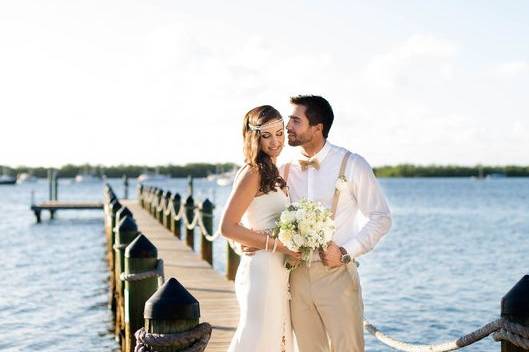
[[320, 303]]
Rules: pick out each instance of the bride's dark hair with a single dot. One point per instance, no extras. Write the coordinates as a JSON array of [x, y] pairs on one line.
[[253, 155]]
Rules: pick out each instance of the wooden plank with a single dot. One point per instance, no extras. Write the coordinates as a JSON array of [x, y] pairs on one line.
[[218, 305], [58, 205]]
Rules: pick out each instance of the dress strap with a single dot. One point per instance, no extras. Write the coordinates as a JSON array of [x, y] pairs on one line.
[[336, 196]]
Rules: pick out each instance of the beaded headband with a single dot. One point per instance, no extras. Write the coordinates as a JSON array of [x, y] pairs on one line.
[[269, 124]]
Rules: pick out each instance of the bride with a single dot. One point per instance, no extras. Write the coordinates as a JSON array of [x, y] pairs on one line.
[[258, 197]]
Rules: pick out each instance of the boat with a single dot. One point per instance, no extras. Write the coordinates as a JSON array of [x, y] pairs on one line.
[[148, 176], [86, 177], [226, 178], [6, 179], [26, 177]]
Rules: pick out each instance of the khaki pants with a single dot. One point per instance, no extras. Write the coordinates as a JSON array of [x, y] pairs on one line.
[[327, 308]]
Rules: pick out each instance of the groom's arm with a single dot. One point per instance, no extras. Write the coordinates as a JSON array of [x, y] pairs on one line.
[[364, 187]]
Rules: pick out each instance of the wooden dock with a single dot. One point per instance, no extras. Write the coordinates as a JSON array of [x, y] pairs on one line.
[[216, 294], [54, 205]]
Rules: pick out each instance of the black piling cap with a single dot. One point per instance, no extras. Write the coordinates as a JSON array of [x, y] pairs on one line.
[[112, 197], [516, 301], [207, 206], [124, 211], [168, 194], [115, 206], [190, 201], [172, 302], [176, 198], [127, 224], [141, 247]]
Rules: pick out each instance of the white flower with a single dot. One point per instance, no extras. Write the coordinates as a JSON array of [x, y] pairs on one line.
[[341, 183], [305, 226], [287, 217]]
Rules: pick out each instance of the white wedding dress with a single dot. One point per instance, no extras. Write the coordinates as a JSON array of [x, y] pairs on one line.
[[261, 286]]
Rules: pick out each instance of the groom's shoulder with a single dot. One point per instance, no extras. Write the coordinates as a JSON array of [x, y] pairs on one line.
[[356, 160]]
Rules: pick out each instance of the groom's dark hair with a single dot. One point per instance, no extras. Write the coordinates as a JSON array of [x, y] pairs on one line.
[[317, 109]]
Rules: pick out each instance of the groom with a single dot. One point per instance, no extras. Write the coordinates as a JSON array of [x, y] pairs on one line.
[[326, 306]]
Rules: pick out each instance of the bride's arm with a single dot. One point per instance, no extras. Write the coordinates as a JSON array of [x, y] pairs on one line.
[[244, 190]]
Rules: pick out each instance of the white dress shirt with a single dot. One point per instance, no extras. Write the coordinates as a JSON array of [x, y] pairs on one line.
[[362, 215]]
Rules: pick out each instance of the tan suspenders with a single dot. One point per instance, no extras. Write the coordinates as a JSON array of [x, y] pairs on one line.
[[336, 195]]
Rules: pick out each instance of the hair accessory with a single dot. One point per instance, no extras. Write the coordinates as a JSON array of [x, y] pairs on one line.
[[269, 124]]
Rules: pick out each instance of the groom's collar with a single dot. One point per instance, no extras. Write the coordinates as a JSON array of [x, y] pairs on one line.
[[319, 155]]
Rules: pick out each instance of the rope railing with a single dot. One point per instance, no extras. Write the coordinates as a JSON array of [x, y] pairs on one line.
[[501, 329], [194, 340], [158, 271]]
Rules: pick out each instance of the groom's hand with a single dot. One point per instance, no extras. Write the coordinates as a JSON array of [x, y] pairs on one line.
[[332, 257]]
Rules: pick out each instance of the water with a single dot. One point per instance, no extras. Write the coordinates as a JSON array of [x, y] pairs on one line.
[[456, 247]]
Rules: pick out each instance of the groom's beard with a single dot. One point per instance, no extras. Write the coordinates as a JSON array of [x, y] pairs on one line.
[[297, 140]]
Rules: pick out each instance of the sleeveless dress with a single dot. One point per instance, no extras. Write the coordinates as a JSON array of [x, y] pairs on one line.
[[261, 286]]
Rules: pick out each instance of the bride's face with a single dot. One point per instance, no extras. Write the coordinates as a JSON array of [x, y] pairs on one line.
[[272, 140]]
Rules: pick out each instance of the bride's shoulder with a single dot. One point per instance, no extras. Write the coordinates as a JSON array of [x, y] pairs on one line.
[[247, 175]]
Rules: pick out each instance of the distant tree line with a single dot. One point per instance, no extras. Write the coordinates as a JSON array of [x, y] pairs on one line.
[[132, 171], [408, 170], [205, 169]]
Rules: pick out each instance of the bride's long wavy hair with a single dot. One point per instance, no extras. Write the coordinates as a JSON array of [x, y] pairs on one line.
[[253, 155]]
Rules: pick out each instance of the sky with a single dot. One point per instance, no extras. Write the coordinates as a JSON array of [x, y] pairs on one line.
[[159, 82]]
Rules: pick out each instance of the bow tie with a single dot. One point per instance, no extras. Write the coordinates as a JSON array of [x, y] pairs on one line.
[[305, 164]]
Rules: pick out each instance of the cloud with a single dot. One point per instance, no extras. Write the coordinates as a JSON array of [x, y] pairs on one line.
[[512, 69], [421, 56]]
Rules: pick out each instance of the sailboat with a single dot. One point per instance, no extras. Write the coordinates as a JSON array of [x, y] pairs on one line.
[[88, 177], [153, 177], [26, 177]]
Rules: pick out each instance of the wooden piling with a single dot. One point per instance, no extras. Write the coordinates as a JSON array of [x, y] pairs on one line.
[[162, 205], [206, 246], [190, 214], [126, 231], [176, 223], [167, 210], [140, 190], [172, 309], [515, 308], [232, 262], [140, 256]]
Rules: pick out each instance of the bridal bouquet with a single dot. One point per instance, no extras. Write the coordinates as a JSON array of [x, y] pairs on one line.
[[304, 227]]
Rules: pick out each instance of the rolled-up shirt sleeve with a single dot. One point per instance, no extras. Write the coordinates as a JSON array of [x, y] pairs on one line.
[[365, 189]]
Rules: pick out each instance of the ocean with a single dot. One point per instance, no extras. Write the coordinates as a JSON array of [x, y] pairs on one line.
[[456, 247]]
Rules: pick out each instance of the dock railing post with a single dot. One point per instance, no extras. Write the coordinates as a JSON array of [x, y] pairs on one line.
[[175, 313], [140, 194], [176, 221], [50, 184], [206, 246], [125, 187], [515, 309], [232, 262], [190, 185], [56, 185], [113, 208], [140, 257], [190, 215], [126, 231], [167, 210], [161, 207]]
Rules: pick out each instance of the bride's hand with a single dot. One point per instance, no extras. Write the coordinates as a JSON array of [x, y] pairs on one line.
[[247, 250], [283, 249]]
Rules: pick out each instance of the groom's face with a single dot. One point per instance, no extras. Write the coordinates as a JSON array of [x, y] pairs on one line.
[[298, 128]]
